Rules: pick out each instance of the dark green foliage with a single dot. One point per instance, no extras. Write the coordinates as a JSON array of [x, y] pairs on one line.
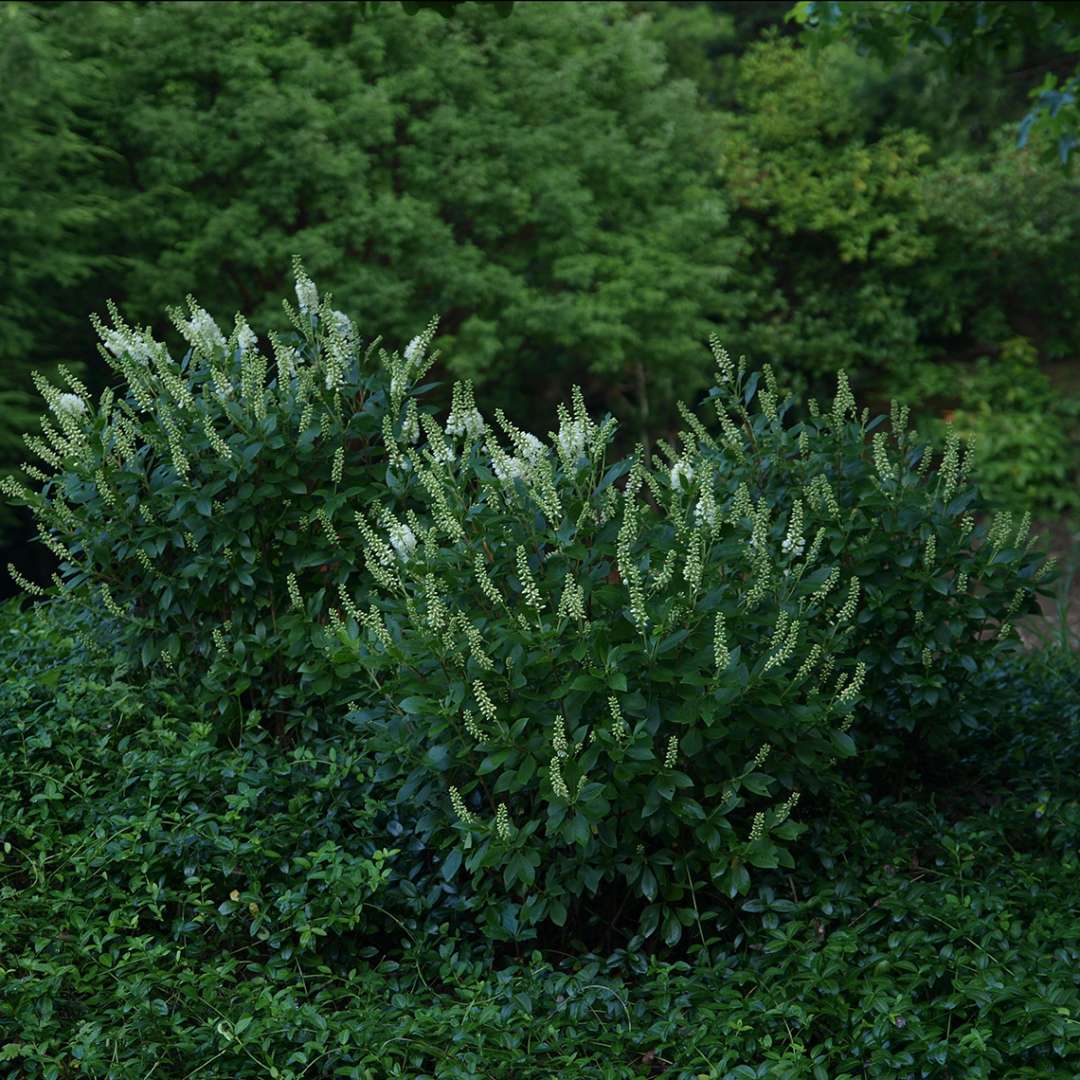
[[50, 208], [911, 941], [149, 864], [208, 503], [550, 184], [602, 699], [503, 742], [869, 251], [537, 181], [939, 589], [967, 35], [1025, 431]]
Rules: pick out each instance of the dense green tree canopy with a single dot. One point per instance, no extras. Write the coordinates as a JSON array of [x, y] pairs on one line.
[[537, 181], [971, 35]]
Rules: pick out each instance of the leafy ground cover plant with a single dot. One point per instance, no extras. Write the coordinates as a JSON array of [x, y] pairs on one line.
[[604, 702], [907, 942], [145, 859], [206, 503]]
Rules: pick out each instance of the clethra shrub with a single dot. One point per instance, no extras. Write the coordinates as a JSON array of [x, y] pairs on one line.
[[941, 581], [206, 504], [606, 700], [600, 700]]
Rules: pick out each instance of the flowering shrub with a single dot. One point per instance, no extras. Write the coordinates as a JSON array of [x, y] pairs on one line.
[[207, 503], [601, 698], [940, 586]]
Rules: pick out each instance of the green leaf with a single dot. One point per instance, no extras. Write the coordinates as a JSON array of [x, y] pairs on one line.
[[844, 743], [451, 863], [576, 829]]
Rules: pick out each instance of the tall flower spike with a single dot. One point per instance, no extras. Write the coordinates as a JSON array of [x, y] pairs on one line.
[[528, 584], [307, 296], [844, 402]]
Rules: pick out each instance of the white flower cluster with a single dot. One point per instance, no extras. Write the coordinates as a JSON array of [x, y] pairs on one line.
[[121, 340], [464, 418], [201, 332], [71, 404], [402, 540], [344, 329], [682, 474], [307, 296], [794, 543], [245, 337], [571, 439], [705, 509], [577, 434], [414, 350], [507, 469]]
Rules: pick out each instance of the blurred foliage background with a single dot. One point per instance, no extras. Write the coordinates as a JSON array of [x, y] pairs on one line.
[[581, 191]]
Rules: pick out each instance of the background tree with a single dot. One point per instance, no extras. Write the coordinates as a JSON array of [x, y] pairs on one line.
[[969, 35]]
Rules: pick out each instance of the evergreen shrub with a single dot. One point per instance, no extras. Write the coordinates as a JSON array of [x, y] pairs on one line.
[[585, 687]]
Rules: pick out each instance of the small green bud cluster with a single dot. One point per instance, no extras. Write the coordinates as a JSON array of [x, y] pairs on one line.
[[847, 612], [949, 470], [471, 726], [721, 655], [487, 586], [618, 724], [881, 458], [572, 603], [783, 811], [558, 784], [484, 702], [784, 641], [558, 737], [844, 402], [529, 588], [672, 754], [628, 534], [502, 823], [848, 690], [457, 804]]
